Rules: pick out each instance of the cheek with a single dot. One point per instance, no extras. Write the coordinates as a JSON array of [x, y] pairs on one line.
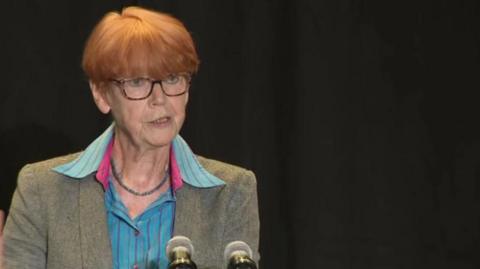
[[125, 114], [180, 116], [179, 110]]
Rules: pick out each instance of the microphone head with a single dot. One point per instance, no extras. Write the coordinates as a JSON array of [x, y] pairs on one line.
[[179, 242], [236, 248]]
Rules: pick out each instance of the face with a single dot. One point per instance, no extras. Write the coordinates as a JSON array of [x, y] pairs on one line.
[[149, 123]]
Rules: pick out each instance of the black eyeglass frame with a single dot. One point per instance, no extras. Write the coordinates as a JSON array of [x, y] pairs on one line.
[[120, 84]]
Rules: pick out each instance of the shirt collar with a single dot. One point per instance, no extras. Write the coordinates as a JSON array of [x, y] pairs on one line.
[[184, 165]]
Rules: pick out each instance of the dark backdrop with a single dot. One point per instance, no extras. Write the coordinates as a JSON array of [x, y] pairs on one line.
[[358, 117]]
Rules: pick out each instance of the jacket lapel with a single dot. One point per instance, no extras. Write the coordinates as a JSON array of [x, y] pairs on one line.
[[182, 211], [94, 236]]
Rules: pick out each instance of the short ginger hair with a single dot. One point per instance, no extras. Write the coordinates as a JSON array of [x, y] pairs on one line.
[[138, 42]]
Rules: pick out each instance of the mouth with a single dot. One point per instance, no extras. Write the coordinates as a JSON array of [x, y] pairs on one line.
[[161, 121]]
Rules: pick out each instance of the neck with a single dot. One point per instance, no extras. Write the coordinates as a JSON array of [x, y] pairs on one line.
[[141, 168]]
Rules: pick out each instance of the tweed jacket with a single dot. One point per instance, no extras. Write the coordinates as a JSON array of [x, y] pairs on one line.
[[59, 222]]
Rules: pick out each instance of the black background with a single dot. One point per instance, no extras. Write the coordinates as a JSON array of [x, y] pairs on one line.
[[359, 118]]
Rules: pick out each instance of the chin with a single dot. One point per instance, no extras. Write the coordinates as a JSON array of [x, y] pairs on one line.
[[162, 141], [162, 136]]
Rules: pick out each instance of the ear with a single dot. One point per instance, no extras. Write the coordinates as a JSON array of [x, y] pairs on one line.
[[186, 98], [100, 97]]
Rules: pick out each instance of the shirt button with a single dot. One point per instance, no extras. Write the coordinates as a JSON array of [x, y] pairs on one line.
[[137, 232]]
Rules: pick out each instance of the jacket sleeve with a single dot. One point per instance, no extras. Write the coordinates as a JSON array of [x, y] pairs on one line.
[[25, 229], [243, 221]]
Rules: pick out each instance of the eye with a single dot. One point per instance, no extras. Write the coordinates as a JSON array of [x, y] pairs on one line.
[[136, 82], [172, 79]]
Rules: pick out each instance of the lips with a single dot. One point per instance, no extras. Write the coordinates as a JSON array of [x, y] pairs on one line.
[[161, 121]]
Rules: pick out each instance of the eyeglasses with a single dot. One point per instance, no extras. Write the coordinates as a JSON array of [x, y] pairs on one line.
[[141, 88]]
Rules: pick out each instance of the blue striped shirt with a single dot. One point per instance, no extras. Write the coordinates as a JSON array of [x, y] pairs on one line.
[[139, 242]]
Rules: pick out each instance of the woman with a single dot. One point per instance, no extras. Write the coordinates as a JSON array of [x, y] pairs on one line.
[[117, 203]]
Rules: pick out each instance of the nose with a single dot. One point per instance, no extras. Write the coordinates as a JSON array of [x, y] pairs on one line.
[[158, 96]]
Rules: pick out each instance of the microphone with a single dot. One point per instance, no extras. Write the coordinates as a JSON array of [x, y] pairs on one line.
[[179, 253], [238, 256]]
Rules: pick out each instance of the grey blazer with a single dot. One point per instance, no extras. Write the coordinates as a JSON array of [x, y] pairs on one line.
[[57, 222]]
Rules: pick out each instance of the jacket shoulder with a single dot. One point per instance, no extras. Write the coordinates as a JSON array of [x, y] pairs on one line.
[[231, 174], [42, 170], [50, 163]]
